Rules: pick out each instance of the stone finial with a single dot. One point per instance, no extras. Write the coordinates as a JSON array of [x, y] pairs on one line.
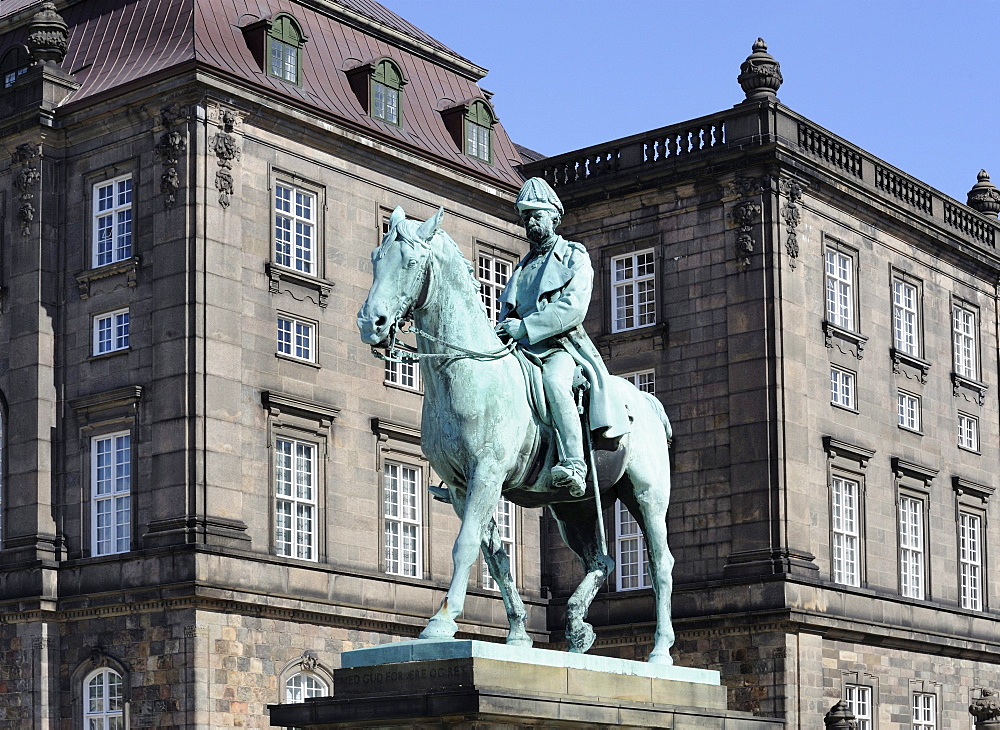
[[760, 74], [840, 717], [986, 709], [984, 196], [47, 36]]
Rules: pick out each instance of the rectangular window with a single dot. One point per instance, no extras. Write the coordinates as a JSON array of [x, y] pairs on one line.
[[403, 374], [296, 338], [968, 432], [970, 558], [644, 380], [846, 570], [924, 711], [284, 61], [111, 494], [840, 289], [633, 557], [504, 517], [965, 344], [401, 499], [493, 273], [842, 388], [111, 332], [294, 228], [112, 228], [904, 317], [295, 499], [633, 291], [477, 141], [908, 411], [385, 103], [911, 547], [859, 699]]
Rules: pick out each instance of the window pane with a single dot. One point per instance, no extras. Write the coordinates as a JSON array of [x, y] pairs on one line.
[[633, 291], [401, 485]]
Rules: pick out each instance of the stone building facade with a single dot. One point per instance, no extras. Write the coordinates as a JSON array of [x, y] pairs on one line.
[[210, 488], [822, 329]]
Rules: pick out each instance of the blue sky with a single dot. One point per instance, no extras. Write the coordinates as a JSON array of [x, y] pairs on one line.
[[914, 83]]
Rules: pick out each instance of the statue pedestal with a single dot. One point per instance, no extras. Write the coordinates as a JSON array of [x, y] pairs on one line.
[[475, 684]]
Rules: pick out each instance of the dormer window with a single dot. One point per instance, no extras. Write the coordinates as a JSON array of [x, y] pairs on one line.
[[379, 86], [14, 64], [277, 46], [471, 126]]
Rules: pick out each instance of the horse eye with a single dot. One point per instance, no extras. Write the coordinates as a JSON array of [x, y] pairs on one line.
[[411, 264]]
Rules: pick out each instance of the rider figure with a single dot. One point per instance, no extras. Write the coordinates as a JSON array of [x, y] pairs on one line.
[[543, 307]]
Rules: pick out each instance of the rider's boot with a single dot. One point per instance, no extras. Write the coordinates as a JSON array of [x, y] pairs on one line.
[[570, 474], [571, 471]]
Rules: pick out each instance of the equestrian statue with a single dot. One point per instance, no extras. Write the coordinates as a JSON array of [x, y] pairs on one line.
[[502, 408]]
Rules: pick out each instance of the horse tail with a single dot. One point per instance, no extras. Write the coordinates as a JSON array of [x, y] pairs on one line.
[[657, 407]]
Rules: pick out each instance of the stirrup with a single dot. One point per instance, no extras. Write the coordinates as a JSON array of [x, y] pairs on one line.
[[569, 476]]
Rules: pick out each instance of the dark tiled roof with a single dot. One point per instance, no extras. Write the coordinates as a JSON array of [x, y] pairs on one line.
[[117, 42], [528, 154], [9, 7]]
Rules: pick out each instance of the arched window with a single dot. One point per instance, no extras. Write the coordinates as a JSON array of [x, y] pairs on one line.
[[104, 701], [284, 48], [479, 121], [386, 85], [300, 687], [15, 63]]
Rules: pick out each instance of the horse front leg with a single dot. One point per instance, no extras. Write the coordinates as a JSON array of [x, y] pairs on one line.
[[578, 526], [482, 495], [498, 563]]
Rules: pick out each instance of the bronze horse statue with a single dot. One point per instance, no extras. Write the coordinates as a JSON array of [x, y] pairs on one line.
[[482, 436]]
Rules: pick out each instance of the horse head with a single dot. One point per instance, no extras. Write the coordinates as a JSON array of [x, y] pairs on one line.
[[399, 275]]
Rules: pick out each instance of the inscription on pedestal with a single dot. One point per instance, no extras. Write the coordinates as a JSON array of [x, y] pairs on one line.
[[394, 679]]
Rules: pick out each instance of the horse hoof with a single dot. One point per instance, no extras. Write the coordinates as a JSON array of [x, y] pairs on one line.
[[524, 641], [580, 637], [439, 628], [661, 658]]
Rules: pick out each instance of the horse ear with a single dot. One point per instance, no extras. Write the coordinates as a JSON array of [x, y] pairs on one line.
[[430, 226], [397, 217]]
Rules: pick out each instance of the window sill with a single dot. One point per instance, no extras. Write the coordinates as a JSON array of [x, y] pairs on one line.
[[966, 449], [106, 355], [297, 360], [278, 274], [910, 430], [845, 408], [960, 383], [405, 389], [130, 267], [900, 358], [832, 332]]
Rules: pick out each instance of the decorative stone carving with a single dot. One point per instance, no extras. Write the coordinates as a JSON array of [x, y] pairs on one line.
[[984, 196], [169, 149], [792, 190], [986, 710], [48, 36], [760, 74], [25, 181], [26, 152], [309, 660], [743, 187], [226, 150], [97, 657], [171, 114], [840, 717], [745, 215]]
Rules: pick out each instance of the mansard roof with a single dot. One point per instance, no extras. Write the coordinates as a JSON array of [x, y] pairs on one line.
[[118, 43]]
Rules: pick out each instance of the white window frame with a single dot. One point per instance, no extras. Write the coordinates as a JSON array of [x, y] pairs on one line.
[[283, 59], [912, 560], [304, 685], [296, 502], [505, 517], [404, 375], [965, 341], [845, 518], [632, 572], [924, 711], [296, 338], [908, 415], [111, 493], [296, 219], [633, 294], [105, 705], [644, 380], [402, 519], [117, 326], [859, 699], [493, 273], [970, 559], [385, 102], [906, 317], [114, 238], [477, 140], [843, 388], [968, 432], [840, 283]]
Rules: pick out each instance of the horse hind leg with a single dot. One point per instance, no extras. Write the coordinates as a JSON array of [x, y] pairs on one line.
[[498, 563], [578, 526]]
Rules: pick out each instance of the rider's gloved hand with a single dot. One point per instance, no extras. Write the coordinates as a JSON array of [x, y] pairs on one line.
[[513, 328]]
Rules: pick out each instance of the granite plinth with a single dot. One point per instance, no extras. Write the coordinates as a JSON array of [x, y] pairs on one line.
[[473, 684]]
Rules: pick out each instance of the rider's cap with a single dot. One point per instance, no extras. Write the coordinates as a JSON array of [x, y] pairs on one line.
[[537, 195]]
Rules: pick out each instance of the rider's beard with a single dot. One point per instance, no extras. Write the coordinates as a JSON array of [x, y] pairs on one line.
[[541, 236]]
